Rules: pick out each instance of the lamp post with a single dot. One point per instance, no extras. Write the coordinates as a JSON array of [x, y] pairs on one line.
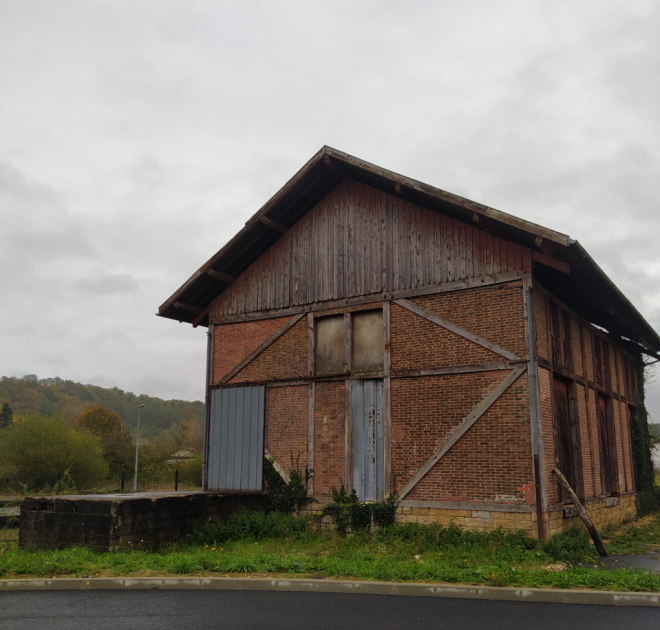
[[137, 445]]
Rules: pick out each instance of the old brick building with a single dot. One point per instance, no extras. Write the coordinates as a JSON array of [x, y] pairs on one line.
[[378, 330]]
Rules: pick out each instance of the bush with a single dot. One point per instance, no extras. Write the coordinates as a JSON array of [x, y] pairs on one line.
[[190, 473], [573, 545], [250, 525], [287, 497], [35, 450]]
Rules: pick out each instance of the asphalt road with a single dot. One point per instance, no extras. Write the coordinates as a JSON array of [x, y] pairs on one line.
[[263, 610]]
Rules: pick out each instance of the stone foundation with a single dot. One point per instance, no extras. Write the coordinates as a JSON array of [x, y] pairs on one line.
[[480, 519], [611, 511], [145, 520], [614, 511]]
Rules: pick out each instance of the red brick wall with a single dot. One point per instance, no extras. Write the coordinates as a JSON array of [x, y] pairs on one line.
[[492, 460], [329, 436], [233, 342], [495, 313], [287, 413], [416, 343], [284, 359]]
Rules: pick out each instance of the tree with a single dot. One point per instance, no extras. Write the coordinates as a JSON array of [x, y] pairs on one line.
[[98, 421], [6, 415], [35, 449], [118, 447]]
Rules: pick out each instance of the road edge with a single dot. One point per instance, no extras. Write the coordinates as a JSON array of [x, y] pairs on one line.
[[558, 596]]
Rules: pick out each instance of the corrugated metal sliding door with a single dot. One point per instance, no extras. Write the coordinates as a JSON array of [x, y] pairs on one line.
[[236, 439], [368, 439]]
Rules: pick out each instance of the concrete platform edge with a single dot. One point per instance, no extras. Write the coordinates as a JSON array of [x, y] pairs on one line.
[[559, 596]]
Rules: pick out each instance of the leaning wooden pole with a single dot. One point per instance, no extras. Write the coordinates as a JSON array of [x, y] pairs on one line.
[[595, 536]]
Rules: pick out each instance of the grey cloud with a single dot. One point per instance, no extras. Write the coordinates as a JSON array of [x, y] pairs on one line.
[[137, 139], [109, 284]]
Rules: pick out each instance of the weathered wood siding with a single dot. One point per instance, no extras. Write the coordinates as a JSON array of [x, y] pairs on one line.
[[358, 241]]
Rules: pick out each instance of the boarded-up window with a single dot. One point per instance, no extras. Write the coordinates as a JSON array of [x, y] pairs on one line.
[[567, 436], [560, 329], [609, 481], [330, 345], [368, 341]]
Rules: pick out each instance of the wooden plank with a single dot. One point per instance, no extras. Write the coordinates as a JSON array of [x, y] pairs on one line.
[[447, 287], [253, 355], [455, 328], [276, 465], [201, 316], [274, 225], [453, 369], [481, 506], [387, 401], [310, 434], [188, 308], [481, 409], [220, 275], [595, 536], [311, 344], [549, 261], [348, 438]]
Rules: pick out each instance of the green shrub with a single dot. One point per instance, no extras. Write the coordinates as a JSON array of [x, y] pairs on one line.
[[250, 525], [35, 449], [287, 497], [573, 545]]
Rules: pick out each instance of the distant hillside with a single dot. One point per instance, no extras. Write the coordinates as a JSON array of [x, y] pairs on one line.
[[50, 396]]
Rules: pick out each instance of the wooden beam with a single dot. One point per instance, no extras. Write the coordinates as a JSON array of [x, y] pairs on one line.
[[387, 399], [481, 409], [201, 316], [276, 465], [220, 275], [274, 225], [373, 299], [189, 308], [310, 434], [253, 355], [549, 261], [311, 345], [453, 369], [595, 536], [455, 328]]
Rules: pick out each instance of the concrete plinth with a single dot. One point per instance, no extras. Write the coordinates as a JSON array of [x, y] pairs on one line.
[[144, 520]]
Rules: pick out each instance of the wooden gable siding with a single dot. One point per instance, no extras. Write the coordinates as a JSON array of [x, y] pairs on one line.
[[359, 240]]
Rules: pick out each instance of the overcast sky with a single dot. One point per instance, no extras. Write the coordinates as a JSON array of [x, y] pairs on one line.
[[137, 137]]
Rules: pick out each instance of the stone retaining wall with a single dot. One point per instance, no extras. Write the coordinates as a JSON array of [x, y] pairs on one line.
[[147, 520]]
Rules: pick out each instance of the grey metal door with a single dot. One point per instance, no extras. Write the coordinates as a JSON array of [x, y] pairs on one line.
[[368, 439], [236, 438]]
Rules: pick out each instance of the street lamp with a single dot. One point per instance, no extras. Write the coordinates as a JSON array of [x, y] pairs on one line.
[[137, 444]]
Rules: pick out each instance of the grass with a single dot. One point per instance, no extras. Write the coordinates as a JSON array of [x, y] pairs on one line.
[[276, 545]]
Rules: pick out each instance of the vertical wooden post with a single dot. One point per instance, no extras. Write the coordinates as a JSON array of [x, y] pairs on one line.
[[310, 435], [207, 402], [535, 411], [311, 344], [348, 438], [348, 343], [387, 401]]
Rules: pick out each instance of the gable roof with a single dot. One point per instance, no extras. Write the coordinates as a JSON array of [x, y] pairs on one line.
[[603, 303]]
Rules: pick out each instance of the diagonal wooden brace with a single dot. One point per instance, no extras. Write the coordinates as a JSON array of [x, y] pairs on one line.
[[455, 328], [441, 451], [253, 355]]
